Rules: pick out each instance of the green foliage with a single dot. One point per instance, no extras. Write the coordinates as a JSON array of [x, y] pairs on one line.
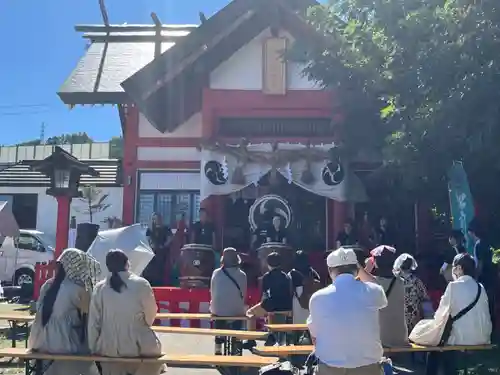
[[34, 142], [63, 139], [116, 148], [94, 199], [418, 78], [74, 138], [115, 143]]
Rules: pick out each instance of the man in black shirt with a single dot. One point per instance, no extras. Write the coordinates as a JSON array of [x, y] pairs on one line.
[[277, 296], [160, 236], [275, 232], [260, 233], [346, 237], [276, 287], [203, 231]]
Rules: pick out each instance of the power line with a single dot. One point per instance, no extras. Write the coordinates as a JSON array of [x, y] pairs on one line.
[[22, 113], [14, 106]]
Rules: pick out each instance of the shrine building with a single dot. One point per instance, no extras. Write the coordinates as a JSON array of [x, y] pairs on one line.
[[214, 116]]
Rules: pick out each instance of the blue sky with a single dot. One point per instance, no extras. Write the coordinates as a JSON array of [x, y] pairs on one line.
[[40, 49]]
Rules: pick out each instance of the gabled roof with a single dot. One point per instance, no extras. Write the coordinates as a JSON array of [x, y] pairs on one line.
[[168, 90], [113, 55], [21, 175]]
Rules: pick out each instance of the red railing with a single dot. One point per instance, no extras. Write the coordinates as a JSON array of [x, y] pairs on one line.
[[43, 272]]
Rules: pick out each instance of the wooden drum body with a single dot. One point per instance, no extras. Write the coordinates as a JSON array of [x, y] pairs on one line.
[[286, 252], [196, 265]]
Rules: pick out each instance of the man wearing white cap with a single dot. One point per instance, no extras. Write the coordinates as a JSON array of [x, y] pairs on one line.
[[344, 319]]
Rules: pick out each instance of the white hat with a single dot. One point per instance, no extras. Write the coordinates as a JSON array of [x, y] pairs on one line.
[[341, 257]]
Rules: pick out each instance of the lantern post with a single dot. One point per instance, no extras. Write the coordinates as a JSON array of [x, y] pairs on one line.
[[64, 172]]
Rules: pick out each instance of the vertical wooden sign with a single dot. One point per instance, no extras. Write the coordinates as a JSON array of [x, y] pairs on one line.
[[274, 66]]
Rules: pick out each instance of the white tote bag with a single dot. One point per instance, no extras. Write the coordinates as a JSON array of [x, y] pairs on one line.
[[428, 332]]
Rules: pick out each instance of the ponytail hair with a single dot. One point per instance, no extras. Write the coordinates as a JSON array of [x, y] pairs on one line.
[[50, 296], [116, 261]]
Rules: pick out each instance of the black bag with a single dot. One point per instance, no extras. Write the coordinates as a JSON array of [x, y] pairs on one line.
[[449, 323], [233, 280], [389, 289], [281, 368], [309, 286]]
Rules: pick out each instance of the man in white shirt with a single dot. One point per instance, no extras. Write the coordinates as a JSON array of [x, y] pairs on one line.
[[344, 319]]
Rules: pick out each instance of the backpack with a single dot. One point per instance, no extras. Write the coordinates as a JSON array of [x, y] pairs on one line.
[[309, 286]]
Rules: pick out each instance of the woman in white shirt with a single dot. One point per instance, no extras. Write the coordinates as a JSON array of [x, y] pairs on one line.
[[472, 328], [122, 311]]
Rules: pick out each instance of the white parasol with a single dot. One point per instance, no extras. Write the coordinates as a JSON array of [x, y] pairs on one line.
[[131, 240]]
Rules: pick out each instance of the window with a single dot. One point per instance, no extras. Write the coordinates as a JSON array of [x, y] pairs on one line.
[[28, 242], [170, 205]]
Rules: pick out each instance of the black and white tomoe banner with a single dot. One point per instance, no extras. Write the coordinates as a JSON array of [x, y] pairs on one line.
[[217, 172], [331, 179]]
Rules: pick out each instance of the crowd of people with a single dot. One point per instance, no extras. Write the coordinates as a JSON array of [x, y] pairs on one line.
[[113, 317], [372, 302]]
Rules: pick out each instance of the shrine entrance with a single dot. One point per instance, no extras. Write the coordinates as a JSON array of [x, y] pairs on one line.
[[307, 229]]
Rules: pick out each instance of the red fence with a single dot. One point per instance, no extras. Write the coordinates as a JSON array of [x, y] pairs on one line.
[[43, 272], [169, 299], [178, 300]]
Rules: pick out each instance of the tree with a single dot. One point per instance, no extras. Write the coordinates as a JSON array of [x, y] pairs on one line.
[[94, 201], [417, 78], [34, 142], [116, 147], [73, 138], [69, 138]]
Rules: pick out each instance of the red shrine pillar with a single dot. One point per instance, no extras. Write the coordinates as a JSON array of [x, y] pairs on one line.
[[129, 163], [338, 213], [62, 228]]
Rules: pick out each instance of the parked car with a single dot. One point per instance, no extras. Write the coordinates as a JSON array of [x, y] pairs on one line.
[[19, 255]]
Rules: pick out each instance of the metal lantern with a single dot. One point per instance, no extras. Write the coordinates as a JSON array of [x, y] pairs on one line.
[[61, 179], [64, 171]]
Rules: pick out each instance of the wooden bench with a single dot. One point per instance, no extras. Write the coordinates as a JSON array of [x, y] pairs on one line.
[[197, 316], [242, 335], [288, 351], [286, 327], [180, 316], [230, 365], [248, 323], [18, 321]]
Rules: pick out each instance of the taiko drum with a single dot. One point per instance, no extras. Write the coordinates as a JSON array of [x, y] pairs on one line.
[[196, 263], [286, 252]]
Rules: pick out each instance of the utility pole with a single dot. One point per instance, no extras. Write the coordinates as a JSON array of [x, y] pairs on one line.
[[42, 133]]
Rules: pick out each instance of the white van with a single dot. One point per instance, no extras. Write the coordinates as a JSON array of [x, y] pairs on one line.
[[18, 256]]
